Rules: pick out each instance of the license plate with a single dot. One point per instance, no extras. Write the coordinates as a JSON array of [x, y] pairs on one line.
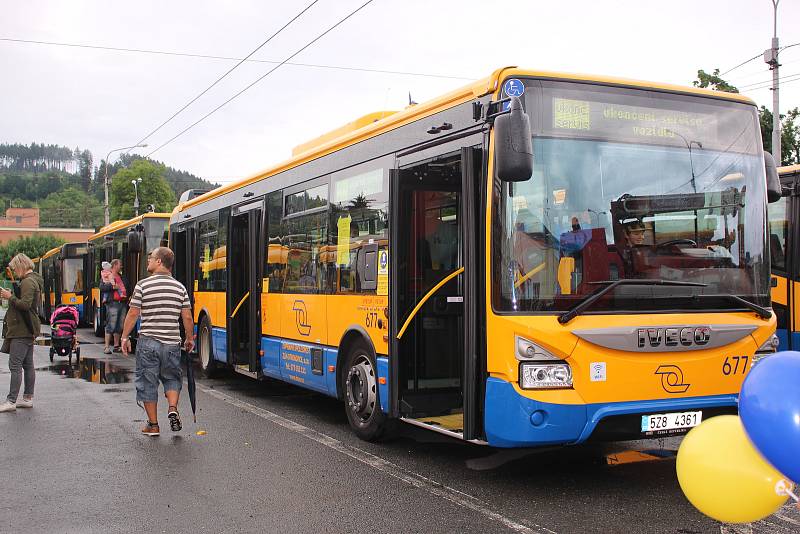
[[665, 422]]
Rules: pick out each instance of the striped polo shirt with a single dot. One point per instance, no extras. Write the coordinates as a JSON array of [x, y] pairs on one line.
[[160, 298]]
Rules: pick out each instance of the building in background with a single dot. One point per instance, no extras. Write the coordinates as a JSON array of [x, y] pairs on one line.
[[24, 222]]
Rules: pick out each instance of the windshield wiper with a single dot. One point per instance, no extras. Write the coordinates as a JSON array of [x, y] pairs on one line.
[[759, 310], [569, 315]]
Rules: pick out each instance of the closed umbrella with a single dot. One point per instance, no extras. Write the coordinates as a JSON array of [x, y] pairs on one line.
[[190, 385]]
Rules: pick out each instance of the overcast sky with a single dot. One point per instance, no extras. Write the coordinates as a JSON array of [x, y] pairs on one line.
[[102, 100]]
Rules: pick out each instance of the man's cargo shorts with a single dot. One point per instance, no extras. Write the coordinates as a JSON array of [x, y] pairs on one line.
[[156, 360]]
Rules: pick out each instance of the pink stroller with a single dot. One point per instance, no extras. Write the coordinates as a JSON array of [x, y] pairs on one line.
[[64, 333]]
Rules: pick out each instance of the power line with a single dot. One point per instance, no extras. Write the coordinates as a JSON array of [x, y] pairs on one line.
[[781, 49], [204, 117], [743, 63], [227, 58], [768, 83], [207, 89]]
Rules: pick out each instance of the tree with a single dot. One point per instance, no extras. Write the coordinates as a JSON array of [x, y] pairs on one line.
[[33, 247], [153, 189], [84, 159], [70, 208], [790, 134], [713, 81], [790, 123]]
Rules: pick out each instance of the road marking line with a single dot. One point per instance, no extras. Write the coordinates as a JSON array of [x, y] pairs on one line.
[[409, 477]]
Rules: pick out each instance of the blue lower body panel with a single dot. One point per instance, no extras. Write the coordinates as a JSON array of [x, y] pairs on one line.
[[219, 343], [383, 388], [512, 420], [291, 361]]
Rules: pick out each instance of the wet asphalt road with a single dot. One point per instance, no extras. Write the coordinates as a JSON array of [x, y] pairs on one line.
[[277, 458]]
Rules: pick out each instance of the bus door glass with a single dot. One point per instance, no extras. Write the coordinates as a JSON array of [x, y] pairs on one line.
[[184, 260], [782, 236], [244, 286], [428, 290]]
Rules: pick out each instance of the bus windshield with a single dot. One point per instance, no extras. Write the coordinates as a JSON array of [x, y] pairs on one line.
[[73, 275], [155, 232], [633, 184]]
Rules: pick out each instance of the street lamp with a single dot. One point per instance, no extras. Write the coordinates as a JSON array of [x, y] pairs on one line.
[[136, 183], [105, 179]]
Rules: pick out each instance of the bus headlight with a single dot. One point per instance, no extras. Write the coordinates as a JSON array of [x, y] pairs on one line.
[[528, 350], [770, 346], [540, 375]]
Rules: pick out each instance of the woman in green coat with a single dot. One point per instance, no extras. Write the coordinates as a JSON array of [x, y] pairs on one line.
[[20, 328]]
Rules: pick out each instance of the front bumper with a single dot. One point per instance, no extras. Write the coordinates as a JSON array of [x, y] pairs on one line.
[[512, 420]]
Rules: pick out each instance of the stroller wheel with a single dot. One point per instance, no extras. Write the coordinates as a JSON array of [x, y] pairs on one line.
[[77, 355], [52, 353]]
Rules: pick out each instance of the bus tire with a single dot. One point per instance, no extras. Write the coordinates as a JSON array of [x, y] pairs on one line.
[[205, 349], [361, 395]]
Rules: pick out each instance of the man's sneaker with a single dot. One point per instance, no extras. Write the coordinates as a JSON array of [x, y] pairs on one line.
[[8, 407], [174, 420], [24, 403], [107, 350], [151, 429]]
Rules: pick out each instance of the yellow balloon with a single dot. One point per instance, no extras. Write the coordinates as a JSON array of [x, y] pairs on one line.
[[724, 476]]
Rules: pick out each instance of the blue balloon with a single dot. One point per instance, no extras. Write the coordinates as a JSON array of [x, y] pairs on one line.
[[769, 406]]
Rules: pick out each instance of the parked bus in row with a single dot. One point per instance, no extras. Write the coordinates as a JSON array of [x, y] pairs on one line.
[[783, 236], [128, 241], [533, 259], [65, 270]]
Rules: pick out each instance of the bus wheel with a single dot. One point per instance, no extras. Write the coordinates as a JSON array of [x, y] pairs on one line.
[[361, 397], [205, 349]]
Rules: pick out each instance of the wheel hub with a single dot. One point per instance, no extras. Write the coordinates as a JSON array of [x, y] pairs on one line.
[[361, 389]]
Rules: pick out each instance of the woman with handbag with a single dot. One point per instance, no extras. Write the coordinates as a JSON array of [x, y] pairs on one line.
[[20, 328]]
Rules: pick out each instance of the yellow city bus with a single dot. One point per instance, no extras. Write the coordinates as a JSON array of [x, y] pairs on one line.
[[533, 259], [783, 251], [128, 241], [65, 270]]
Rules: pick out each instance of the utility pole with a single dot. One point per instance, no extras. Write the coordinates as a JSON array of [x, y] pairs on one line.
[[106, 214], [771, 58]]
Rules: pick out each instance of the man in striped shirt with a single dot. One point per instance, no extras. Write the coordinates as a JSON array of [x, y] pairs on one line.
[[160, 301]]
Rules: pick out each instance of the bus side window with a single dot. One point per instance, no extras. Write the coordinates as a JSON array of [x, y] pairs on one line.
[[209, 269], [221, 253], [306, 238], [778, 231], [275, 256], [358, 223]]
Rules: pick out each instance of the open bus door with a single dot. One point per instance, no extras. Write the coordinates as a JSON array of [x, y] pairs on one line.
[[435, 370], [182, 243], [244, 288], [783, 235]]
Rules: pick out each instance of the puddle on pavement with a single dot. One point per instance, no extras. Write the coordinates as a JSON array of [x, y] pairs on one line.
[[92, 370]]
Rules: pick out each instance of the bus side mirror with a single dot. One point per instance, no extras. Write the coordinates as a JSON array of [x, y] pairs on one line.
[[513, 144], [774, 192], [135, 242]]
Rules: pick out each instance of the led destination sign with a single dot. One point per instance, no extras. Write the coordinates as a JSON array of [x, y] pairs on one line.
[[627, 122]]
